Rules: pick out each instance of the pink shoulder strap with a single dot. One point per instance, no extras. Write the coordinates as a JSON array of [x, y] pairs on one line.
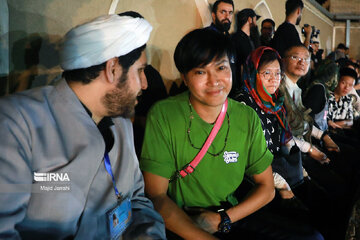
[[189, 168]]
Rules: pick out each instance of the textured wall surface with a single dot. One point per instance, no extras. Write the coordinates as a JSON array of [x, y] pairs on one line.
[[345, 6], [340, 37], [36, 28]]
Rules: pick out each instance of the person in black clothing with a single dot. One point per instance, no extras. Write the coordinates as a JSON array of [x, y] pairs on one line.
[[316, 55], [286, 35], [267, 31], [343, 164], [242, 41], [261, 92], [155, 91], [317, 94], [222, 14]]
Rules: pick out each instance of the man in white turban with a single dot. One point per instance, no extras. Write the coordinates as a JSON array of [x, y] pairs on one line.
[[68, 168]]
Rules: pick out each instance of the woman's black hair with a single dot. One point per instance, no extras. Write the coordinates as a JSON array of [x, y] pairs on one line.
[[199, 47], [269, 56], [345, 71]]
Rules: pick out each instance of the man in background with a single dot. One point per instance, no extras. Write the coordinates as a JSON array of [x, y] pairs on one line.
[[222, 14], [267, 31], [242, 39], [339, 53], [286, 35]]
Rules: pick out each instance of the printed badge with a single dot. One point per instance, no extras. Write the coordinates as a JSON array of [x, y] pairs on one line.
[[119, 218], [230, 157]]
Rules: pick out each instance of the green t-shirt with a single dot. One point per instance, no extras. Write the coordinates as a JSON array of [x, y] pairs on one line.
[[167, 149]]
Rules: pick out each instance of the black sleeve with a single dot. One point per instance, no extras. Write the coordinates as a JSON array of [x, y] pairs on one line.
[[315, 99]]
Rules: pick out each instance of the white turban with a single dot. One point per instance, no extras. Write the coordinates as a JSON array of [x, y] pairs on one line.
[[101, 39]]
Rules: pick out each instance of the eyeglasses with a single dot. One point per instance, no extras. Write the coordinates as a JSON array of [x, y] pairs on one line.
[[296, 58], [267, 75]]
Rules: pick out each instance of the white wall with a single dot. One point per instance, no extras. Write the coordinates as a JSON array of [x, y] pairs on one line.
[[48, 20]]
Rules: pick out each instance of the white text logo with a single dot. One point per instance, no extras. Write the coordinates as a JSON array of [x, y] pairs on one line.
[[51, 177], [230, 157]]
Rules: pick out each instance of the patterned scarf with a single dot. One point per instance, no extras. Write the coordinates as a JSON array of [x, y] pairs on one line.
[[271, 104]]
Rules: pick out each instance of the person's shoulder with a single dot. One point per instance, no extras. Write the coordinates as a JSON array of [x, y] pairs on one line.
[[22, 110], [25, 98], [208, 27], [331, 96], [234, 37], [241, 109], [243, 35], [285, 28], [282, 26], [347, 98], [287, 25], [315, 90], [318, 85], [244, 97]]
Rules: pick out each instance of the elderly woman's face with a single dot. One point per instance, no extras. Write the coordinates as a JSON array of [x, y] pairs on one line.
[[270, 76]]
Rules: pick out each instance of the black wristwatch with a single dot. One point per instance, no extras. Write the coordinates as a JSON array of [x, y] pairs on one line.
[[225, 224]]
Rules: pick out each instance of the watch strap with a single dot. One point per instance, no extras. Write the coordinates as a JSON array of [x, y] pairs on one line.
[[225, 223]]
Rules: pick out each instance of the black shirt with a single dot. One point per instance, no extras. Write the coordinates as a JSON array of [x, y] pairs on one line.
[[243, 46], [269, 123], [104, 128]]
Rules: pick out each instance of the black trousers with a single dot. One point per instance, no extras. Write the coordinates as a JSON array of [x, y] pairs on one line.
[[267, 224], [272, 223], [330, 195]]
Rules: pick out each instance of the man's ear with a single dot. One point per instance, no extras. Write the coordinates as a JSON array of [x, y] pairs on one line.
[[252, 20], [298, 11], [213, 17], [110, 69]]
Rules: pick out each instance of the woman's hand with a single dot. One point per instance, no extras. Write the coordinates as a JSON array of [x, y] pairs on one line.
[[286, 194], [318, 155], [207, 220], [345, 124], [334, 125]]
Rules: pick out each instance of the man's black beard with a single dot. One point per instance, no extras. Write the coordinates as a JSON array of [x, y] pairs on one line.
[[265, 39], [298, 20], [121, 101], [223, 27]]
